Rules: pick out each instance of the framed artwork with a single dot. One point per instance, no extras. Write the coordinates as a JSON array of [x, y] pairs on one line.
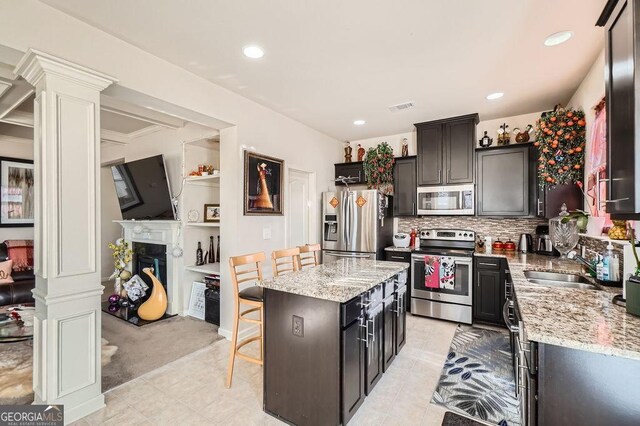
[[16, 192], [212, 213], [196, 301], [263, 184]]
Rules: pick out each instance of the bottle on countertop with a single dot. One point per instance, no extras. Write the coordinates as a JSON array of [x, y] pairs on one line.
[[412, 238], [599, 268], [606, 263], [417, 240], [615, 268]]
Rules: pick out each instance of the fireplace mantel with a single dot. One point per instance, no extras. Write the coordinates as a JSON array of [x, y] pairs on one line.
[[167, 233]]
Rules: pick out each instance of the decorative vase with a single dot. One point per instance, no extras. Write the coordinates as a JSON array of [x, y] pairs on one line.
[[155, 307], [117, 286], [595, 225], [633, 296], [619, 230]]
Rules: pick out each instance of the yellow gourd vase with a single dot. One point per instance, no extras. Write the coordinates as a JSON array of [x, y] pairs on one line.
[[155, 307]]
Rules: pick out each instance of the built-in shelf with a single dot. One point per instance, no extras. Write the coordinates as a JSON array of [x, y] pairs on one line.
[[204, 224], [202, 178], [207, 268]]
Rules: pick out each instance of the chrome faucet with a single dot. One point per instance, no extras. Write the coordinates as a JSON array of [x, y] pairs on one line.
[[573, 255]]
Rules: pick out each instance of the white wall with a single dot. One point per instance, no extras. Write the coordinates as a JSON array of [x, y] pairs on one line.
[[23, 150], [491, 126], [36, 25], [516, 121], [588, 95]]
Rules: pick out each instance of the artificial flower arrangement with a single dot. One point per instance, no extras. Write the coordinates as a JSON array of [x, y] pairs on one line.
[[122, 256], [560, 139], [378, 168]]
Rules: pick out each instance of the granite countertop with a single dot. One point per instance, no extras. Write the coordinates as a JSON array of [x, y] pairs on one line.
[[338, 281], [569, 317]]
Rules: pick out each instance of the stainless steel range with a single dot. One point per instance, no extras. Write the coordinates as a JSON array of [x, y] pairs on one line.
[[442, 275]]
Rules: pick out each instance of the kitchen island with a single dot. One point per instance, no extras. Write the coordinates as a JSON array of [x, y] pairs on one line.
[[330, 333]]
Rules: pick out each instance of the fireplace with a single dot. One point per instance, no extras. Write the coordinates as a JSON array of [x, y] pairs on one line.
[[148, 255], [157, 241]]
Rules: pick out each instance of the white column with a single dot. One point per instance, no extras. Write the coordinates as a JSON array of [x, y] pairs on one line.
[[67, 334]]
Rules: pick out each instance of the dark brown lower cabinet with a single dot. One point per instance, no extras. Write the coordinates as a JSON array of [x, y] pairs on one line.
[[402, 256], [401, 322], [565, 386], [390, 319], [322, 358], [374, 360], [489, 290], [353, 368]]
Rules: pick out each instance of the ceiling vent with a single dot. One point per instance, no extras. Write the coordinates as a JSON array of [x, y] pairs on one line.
[[401, 107]]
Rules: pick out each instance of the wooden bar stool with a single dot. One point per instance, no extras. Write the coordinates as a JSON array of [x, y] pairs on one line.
[[309, 255], [244, 269], [285, 261]]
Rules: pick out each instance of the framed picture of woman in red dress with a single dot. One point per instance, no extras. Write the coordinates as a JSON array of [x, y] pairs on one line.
[[263, 182]]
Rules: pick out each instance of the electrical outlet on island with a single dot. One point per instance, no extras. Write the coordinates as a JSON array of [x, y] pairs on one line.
[[266, 233]]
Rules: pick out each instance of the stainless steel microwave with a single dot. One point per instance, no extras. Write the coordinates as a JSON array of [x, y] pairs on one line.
[[446, 200]]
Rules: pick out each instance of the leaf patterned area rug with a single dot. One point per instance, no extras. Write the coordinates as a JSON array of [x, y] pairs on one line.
[[477, 378]]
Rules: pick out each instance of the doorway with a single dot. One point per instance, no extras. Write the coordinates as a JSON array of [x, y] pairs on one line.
[[300, 208]]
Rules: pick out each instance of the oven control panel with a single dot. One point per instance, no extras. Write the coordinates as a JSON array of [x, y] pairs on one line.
[[447, 234]]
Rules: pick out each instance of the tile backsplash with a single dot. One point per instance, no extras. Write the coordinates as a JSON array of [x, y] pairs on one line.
[[502, 228]]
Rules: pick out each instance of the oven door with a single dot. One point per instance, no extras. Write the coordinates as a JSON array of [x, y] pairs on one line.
[[462, 286], [446, 200]]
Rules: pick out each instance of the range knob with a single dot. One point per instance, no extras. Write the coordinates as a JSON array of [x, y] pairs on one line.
[[465, 234]]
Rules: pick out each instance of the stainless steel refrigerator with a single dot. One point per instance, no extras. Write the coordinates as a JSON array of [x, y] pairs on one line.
[[356, 224]]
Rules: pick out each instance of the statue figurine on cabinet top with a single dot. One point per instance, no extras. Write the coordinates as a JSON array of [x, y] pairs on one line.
[[504, 134], [360, 153], [405, 147], [347, 152]]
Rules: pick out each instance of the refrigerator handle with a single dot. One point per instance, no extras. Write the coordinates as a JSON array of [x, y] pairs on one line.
[[347, 215]]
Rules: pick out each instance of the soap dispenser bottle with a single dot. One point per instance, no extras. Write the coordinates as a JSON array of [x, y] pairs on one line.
[[607, 263]]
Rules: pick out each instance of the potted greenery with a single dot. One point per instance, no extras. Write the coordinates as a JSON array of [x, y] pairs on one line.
[[633, 283], [378, 168]]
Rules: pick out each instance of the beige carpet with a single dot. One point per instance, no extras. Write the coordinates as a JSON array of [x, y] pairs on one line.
[[142, 349], [16, 370], [127, 352]]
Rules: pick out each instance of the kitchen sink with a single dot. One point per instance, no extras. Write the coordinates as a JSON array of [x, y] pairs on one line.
[[554, 279]]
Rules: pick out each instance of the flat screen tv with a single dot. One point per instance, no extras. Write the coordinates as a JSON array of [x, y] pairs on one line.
[[143, 190]]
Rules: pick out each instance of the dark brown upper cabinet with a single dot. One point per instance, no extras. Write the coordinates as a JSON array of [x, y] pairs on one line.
[[506, 181], [621, 20], [446, 150], [353, 171], [404, 186]]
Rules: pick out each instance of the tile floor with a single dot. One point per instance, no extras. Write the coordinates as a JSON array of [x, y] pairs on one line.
[[190, 391]]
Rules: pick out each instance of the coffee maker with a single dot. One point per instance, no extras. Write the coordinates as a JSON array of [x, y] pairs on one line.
[[543, 243]]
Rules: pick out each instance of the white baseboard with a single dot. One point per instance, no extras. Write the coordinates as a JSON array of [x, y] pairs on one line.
[[84, 409], [244, 333]]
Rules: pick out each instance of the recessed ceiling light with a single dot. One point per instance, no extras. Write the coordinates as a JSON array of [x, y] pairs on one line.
[[359, 122], [496, 95], [558, 38], [253, 52]]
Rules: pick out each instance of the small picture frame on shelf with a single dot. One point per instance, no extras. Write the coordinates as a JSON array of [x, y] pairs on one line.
[[212, 212]]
